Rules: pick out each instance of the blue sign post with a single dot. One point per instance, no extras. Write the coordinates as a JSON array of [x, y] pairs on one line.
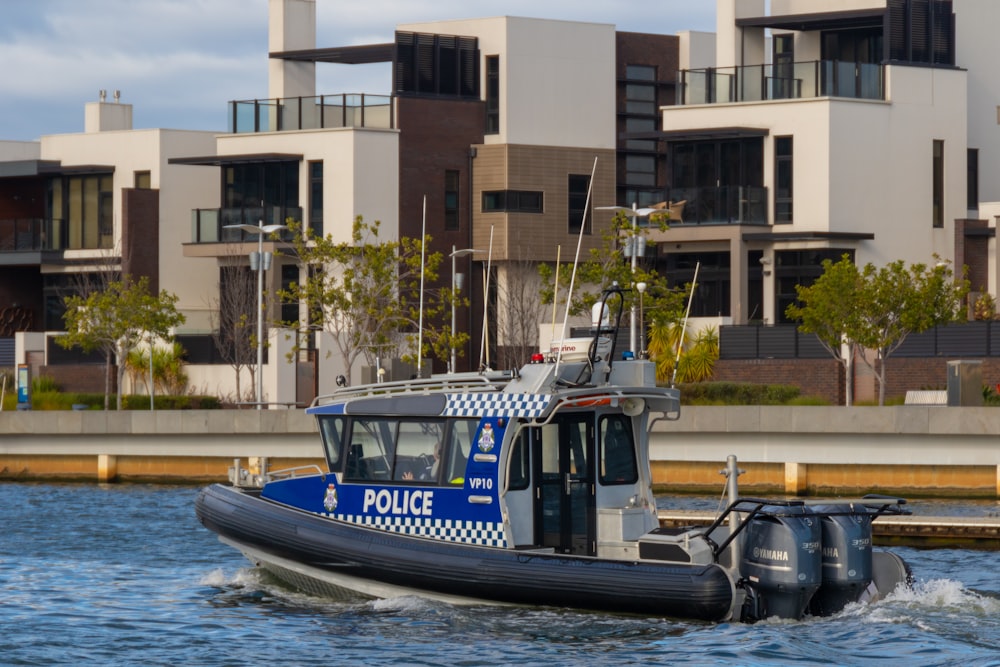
[[23, 386]]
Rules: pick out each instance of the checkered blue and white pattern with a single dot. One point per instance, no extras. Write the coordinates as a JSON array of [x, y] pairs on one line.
[[496, 405], [480, 533]]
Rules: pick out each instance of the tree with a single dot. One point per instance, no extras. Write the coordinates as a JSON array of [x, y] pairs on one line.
[[116, 320], [607, 264], [233, 325], [830, 308], [366, 292], [518, 314], [872, 311], [897, 301]]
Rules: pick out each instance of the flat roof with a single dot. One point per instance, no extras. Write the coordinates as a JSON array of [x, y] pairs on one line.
[[348, 55], [809, 236], [19, 168], [853, 18], [245, 158]]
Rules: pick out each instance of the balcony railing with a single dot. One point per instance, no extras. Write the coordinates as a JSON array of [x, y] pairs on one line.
[[785, 81], [725, 205], [33, 235], [208, 224], [285, 114]]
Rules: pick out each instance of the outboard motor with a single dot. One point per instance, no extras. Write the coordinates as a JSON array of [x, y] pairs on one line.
[[847, 557], [780, 566]]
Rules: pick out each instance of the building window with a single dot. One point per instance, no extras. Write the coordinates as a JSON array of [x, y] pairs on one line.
[[451, 199], [640, 170], [782, 179], [799, 267], [921, 31], [142, 180], [579, 216], [972, 179], [444, 65], [492, 94], [83, 205], [316, 197], [937, 202], [512, 201]]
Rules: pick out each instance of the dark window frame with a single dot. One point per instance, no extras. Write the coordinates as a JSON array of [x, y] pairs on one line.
[[577, 189], [513, 201], [492, 94], [784, 180], [937, 184]]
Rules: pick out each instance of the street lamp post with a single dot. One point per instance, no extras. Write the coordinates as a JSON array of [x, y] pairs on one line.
[[259, 262], [635, 248], [455, 287]]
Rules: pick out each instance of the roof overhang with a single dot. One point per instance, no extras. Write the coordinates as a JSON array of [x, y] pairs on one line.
[[701, 134], [245, 158], [19, 168], [808, 236], [346, 55], [842, 20], [980, 232]]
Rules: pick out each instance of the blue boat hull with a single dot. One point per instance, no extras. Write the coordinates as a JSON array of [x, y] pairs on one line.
[[703, 592]]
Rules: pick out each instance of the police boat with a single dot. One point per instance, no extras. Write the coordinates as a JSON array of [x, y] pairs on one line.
[[533, 488]]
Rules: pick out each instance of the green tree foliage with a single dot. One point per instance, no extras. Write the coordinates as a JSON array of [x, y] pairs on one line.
[[696, 361], [830, 308], [366, 293], [116, 320], [873, 310], [168, 369], [608, 264]]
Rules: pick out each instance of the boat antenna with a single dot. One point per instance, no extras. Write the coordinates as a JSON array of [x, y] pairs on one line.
[[484, 355], [420, 325], [555, 297], [680, 340], [576, 260]]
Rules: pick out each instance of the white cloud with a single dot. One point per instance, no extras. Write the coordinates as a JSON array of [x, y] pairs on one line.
[[180, 61]]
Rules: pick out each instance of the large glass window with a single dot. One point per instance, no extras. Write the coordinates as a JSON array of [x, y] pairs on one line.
[[432, 64], [316, 197], [972, 179], [799, 267], [85, 203], [782, 179], [937, 188], [513, 201], [578, 187], [492, 94]]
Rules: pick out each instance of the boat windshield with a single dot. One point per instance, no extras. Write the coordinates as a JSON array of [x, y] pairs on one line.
[[399, 449]]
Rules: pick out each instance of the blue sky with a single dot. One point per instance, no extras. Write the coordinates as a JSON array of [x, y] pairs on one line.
[[178, 62]]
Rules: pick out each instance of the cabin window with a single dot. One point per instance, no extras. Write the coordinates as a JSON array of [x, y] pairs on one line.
[[409, 450], [618, 464], [519, 472], [332, 431]]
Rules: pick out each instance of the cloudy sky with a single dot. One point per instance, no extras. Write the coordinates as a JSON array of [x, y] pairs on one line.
[[178, 62]]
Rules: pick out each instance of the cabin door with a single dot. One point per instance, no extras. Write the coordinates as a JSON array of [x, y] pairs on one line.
[[565, 510]]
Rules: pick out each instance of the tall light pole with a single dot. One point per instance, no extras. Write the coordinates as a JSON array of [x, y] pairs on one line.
[[259, 262], [455, 287], [635, 248]]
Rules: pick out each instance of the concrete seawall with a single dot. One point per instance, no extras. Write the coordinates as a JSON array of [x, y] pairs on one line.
[[909, 450]]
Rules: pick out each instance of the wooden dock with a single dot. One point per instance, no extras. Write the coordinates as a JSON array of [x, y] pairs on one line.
[[912, 531]]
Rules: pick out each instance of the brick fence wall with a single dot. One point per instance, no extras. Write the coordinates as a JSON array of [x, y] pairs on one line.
[[825, 377]]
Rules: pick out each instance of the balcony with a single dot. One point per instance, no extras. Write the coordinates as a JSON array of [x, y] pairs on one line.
[[725, 205], [207, 224], [33, 235], [285, 114], [787, 81]]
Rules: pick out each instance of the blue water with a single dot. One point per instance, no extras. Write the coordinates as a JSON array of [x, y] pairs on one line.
[[125, 575]]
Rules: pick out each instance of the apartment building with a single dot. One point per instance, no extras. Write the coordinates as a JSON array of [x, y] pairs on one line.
[[831, 127]]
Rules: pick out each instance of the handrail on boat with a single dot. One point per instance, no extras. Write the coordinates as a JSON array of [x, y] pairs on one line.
[[459, 382], [290, 472], [885, 505]]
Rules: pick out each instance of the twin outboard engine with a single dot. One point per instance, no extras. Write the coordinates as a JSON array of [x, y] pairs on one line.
[[847, 557], [781, 562], [816, 559]]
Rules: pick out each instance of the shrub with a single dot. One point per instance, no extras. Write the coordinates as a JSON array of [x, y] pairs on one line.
[[737, 393]]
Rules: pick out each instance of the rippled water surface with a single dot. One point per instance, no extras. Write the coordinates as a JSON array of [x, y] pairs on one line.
[[125, 575]]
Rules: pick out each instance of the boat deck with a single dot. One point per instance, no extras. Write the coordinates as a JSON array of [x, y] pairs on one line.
[[915, 531]]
